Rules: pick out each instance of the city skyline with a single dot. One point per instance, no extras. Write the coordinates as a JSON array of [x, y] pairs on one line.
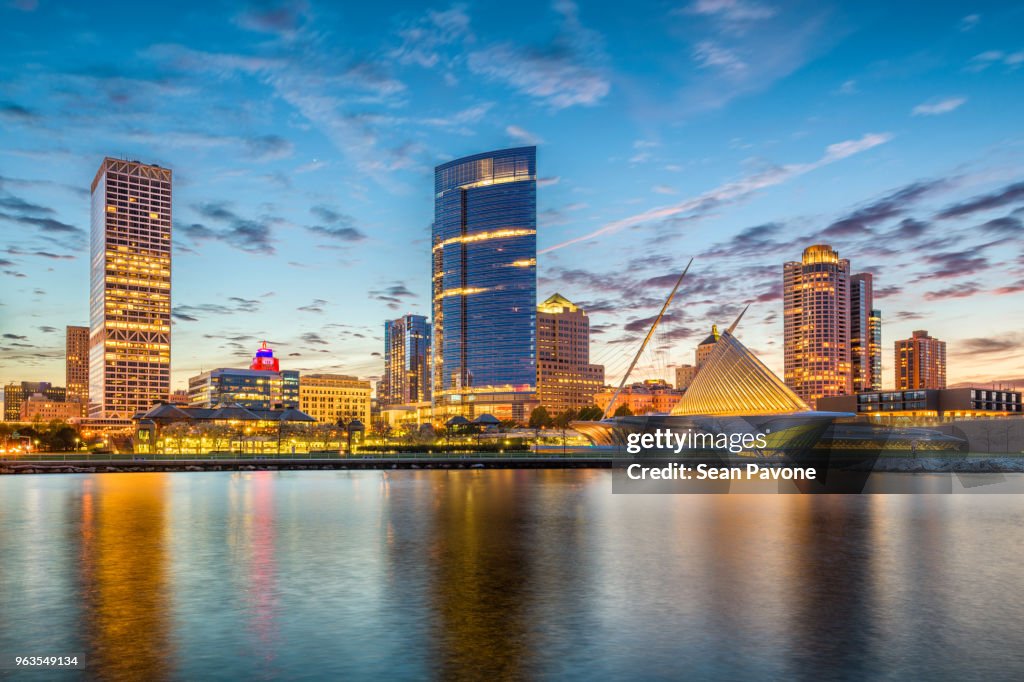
[[305, 194]]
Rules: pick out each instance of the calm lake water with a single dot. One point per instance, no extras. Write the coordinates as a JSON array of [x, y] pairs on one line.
[[502, 575]]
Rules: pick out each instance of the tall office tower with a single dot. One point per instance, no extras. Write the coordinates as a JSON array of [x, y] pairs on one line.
[[565, 378], [705, 347], [865, 335], [406, 377], [76, 366], [875, 336], [920, 362], [816, 307], [485, 285], [130, 293]]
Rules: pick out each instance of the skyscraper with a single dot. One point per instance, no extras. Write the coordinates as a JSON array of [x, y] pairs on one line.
[[484, 250], [76, 366], [920, 362], [865, 335], [565, 378], [130, 293], [816, 307], [406, 377]]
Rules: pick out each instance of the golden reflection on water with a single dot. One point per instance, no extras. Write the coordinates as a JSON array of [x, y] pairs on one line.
[[124, 573], [482, 565]]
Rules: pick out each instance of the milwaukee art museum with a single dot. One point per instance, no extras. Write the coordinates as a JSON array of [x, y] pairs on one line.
[[735, 393]]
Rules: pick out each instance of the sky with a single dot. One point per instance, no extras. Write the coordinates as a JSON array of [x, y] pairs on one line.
[[303, 137]]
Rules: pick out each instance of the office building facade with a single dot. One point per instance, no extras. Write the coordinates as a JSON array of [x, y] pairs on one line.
[[484, 285], [331, 398], [865, 335], [684, 376], [253, 389], [76, 367], [130, 289], [565, 378], [406, 377], [17, 392], [920, 362]]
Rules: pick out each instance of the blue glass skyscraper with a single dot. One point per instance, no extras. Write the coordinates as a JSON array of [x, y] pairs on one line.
[[484, 250]]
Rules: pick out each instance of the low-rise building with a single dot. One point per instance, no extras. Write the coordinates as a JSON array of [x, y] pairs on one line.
[[333, 397], [942, 404], [37, 407], [649, 397]]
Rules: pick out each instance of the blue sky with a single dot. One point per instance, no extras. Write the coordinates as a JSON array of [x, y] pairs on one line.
[[303, 136]]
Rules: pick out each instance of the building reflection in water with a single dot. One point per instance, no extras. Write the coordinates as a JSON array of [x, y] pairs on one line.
[[124, 575], [259, 538], [481, 557]]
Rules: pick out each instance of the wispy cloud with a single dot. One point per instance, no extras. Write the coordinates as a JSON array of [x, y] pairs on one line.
[[522, 135], [734, 191], [943, 106], [567, 73]]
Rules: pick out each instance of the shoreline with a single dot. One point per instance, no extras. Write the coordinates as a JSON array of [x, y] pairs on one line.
[[975, 464]]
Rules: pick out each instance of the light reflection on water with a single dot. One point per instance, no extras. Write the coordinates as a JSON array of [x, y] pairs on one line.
[[502, 574]]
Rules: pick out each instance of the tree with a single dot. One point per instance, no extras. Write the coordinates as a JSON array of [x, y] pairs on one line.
[[623, 411], [590, 414], [562, 419], [539, 418]]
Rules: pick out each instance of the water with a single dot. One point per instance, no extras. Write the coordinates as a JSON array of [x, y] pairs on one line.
[[502, 575]]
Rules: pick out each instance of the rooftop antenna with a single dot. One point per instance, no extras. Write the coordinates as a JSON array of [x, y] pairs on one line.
[[625, 377]]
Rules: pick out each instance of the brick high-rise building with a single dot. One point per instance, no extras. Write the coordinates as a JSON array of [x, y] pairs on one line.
[[920, 362], [76, 366], [565, 378], [130, 292]]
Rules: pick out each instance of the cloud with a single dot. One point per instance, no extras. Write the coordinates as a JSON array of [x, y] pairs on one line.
[[313, 338], [949, 265], [861, 221], [15, 113], [709, 55], [523, 135], [731, 11], [567, 73], [317, 306], [268, 147], [965, 290], [46, 225], [733, 192], [47, 329], [848, 87], [339, 226], [392, 295], [1007, 195], [940, 107], [984, 60], [192, 313], [986, 345], [281, 18], [1008, 225], [248, 235], [549, 181], [969, 22], [16, 337], [423, 41]]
